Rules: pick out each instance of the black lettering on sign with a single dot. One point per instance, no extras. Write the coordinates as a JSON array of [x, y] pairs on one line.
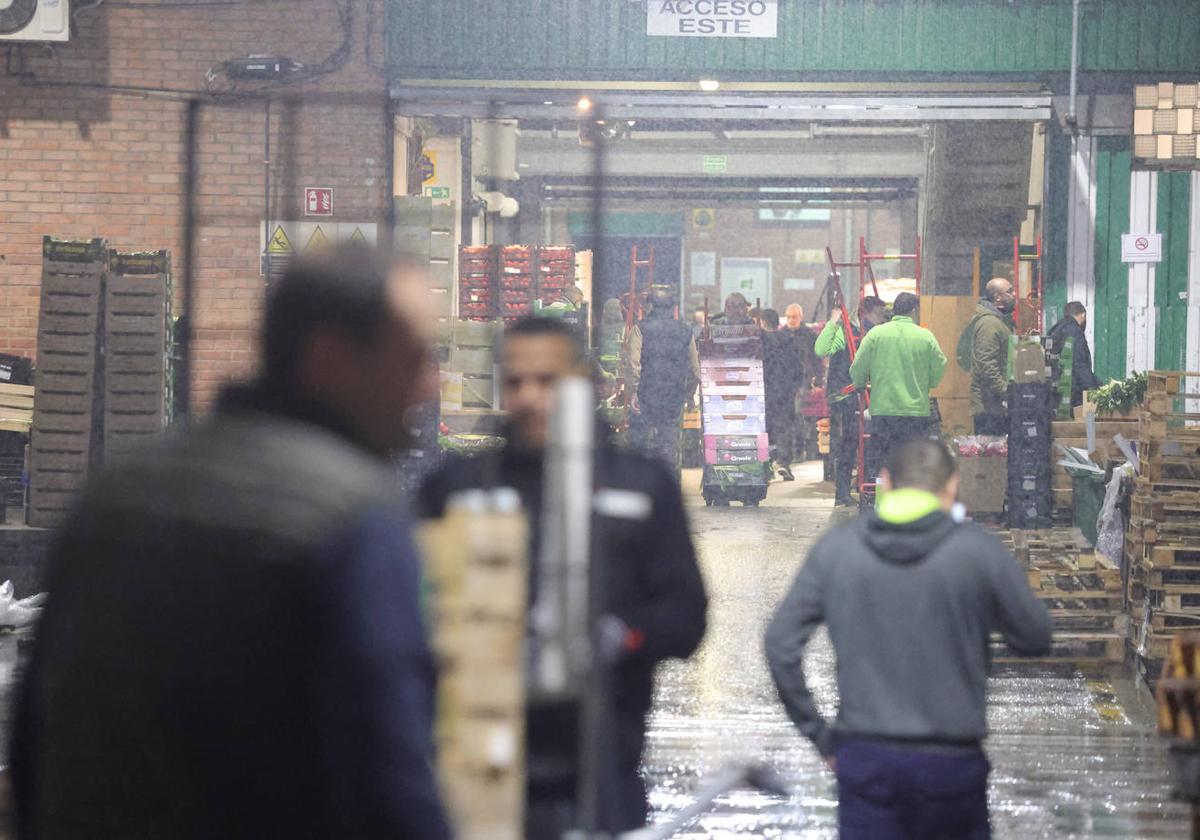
[[741, 27], [707, 26], [687, 26], [666, 6], [757, 8]]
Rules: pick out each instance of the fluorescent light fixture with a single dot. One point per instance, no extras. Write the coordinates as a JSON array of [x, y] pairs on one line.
[[584, 104], [709, 85]]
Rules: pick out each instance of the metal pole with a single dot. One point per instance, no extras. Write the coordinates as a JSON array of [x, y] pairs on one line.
[[183, 400], [1071, 115]]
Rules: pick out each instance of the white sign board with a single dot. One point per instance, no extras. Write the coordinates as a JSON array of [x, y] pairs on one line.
[[1141, 247], [712, 18]]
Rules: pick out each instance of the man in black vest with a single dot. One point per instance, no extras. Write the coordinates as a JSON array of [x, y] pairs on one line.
[[664, 370], [843, 406], [233, 643]]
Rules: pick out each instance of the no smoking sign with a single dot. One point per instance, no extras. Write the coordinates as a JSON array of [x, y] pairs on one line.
[[1141, 247]]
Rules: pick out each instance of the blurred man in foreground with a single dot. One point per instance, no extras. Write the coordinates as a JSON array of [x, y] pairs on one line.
[[655, 596], [910, 597], [233, 645]]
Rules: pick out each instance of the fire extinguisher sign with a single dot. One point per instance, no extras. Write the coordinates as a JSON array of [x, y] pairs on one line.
[[318, 201]]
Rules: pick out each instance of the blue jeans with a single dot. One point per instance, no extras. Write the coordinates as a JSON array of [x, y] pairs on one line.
[[891, 792]]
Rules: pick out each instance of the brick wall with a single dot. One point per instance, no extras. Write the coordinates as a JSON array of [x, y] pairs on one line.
[[78, 160]]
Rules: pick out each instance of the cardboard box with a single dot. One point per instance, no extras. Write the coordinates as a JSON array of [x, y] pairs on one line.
[[452, 390], [983, 483]]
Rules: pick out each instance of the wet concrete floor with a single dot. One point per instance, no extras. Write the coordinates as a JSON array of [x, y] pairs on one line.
[[1074, 754]]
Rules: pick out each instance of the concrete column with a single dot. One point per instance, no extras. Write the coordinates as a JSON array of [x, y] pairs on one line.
[[1081, 227], [1142, 315]]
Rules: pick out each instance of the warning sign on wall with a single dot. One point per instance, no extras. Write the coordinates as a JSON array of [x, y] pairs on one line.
[[318, 201]]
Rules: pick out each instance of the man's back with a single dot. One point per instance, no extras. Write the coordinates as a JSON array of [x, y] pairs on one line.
[[909, 608], [665, 362], [231, 649], [902, 362]]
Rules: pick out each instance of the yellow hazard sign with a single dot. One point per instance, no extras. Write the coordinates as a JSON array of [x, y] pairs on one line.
[[279, 244], [317, 240], [358, 235]]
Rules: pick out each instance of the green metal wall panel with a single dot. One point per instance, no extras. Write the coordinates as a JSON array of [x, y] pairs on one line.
[[606, 39], [1171, 276], [1058, 178], [1112, 275]]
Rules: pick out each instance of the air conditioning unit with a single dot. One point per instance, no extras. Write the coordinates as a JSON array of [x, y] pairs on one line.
[[35, 20]]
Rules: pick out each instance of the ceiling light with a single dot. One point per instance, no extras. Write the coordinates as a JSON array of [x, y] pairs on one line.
[[584, 104], [709, 85]]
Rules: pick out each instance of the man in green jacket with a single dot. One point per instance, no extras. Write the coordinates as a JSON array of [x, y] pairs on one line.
[[902, 362], [989, 358]]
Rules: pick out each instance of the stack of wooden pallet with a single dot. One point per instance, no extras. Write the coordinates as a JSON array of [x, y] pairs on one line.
[[1082, 591], [65, 423], [1162, 543], [137, 299]]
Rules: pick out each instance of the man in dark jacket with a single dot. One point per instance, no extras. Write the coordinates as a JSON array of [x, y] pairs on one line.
[[910, 597], [655, 594], [664, 370], [843, 406], [990, 333], [1073, 326], [232, 645], [784, 371]]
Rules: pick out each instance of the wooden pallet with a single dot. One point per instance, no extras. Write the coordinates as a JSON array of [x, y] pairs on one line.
[[1104, 647]]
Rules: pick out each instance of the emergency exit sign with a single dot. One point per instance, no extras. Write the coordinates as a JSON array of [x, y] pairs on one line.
[[712, 18]]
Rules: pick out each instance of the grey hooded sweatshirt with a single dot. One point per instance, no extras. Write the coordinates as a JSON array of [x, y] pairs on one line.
[[909, 608]]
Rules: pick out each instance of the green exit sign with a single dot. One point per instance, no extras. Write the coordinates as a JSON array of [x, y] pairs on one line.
[[716, 163], [437, 192]]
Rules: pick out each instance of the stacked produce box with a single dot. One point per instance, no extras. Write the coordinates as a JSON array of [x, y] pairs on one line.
[[1162, 544], [425, 230], [473, 362], [477, 569], [137, 304], [516, 287], [733, 408], [556, 271], [1031, 409], [477, 266], [66, 431]]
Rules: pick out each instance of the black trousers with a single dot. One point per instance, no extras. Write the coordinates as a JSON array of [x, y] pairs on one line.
[[781, 430], [991, 424], [887, 435], [843, 444], [655, 431]]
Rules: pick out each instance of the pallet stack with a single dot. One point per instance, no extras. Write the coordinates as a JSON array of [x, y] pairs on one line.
[[477, 268], [1074, 434], [1082, 591], [556, 271], [516, 286], [1162, 543], [66, 432], [137, 315]]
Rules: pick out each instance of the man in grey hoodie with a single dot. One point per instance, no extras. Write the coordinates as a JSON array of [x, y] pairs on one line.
[[910, 597]]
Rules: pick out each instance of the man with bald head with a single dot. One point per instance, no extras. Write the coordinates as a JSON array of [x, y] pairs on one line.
[[990, 333], [234, 612]]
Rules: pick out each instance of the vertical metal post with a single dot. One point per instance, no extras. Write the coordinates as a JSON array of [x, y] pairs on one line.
[[183, 400], [595, 730], [919, 266], [1016, 281], [263, 261]]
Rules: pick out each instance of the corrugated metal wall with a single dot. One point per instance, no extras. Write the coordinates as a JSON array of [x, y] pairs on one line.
[[1112, 275], [1171, 275], [596, 39]]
